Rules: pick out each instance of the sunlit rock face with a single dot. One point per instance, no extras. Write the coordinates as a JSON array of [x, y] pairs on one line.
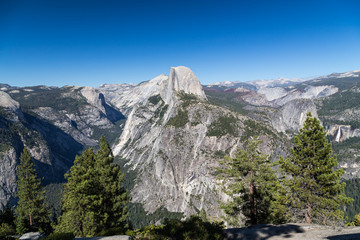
[[175, 161], [292, 115], [53, 132]]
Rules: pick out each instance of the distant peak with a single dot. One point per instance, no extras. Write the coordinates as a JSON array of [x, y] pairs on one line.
[[182, 79]]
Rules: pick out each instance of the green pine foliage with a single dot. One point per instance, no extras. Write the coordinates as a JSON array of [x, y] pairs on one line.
[[352, 190], [7, 222], [313, 183], [114, 198], [253, 187], [94, 199], [356, 221], [31, 211], [179, 120]]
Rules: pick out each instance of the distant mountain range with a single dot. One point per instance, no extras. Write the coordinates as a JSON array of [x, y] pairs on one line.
[[169, 133]]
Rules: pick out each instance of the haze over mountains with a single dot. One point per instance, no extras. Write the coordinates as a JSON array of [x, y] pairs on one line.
[[169, 133]]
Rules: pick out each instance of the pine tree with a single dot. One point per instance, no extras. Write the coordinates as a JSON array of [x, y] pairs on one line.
[[252, 185], [80, 199], [114, 198], [93, 199], [315, 191], [31, 211]]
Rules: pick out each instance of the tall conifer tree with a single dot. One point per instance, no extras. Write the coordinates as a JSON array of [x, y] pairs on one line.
[[94, 199], [252, 185], [315, 191], [114, 198], [31, 211], [80, 199]]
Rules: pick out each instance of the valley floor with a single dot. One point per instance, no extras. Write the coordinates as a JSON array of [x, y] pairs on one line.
[[293, 232]]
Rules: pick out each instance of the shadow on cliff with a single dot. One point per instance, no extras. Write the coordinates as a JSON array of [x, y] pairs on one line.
[[351, 236], [263, 231], [63, 149]]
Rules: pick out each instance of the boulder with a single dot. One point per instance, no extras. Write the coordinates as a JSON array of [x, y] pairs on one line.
[[31, 236], [117, 237]]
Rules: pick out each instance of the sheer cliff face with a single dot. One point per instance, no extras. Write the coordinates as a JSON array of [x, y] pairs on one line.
[[54, 124], [170, 131], [174, 139]]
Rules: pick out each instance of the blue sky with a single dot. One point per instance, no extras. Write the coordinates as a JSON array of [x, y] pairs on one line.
[[88, 42]]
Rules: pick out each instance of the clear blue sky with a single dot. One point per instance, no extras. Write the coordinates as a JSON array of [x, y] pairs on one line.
[[87, 42]]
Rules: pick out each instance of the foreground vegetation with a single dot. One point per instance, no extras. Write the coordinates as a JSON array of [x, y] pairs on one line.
[[310, 189]]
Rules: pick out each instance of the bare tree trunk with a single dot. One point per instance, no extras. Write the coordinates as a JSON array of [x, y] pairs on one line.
[[30, 217], [252, 204], [308, 213]]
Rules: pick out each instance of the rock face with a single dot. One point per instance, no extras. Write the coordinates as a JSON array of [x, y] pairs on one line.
[[54, 124], [31, 236], [117, 237], [181, 79], [170, 131], [7, 102], [127, 96], [342, 132], [292, 115], [8, 177], [173, 140], [293, 231]]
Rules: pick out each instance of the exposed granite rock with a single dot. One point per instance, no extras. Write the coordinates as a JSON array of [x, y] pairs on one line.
[[293, 231], [117, 237], [175, 163], [31, 236], [7, 102], [292, 115], [8, 177]]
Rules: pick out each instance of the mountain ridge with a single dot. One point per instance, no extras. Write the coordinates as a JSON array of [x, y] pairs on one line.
[[171, 131]]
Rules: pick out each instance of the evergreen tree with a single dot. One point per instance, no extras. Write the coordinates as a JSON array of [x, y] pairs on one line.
[[7, 222], [315, 191], [252, 185], [31, 211], [80, 199], [94, 199], [114, 198]]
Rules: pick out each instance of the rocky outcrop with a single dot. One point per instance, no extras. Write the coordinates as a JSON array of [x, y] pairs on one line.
[[342, 132], [116, 237], [32, 236], [292, 115], [181, 79], [8, 178], [11, 106], [127, 96], [53, 134], [7, 102], [174, 140], [310, 92], [292, 231]]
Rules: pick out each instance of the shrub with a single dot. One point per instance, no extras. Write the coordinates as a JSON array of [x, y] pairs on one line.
[[155, 99], [111, 232], [191, 228], [149, 232], [5, 230], [179, 120], [222, 126]]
